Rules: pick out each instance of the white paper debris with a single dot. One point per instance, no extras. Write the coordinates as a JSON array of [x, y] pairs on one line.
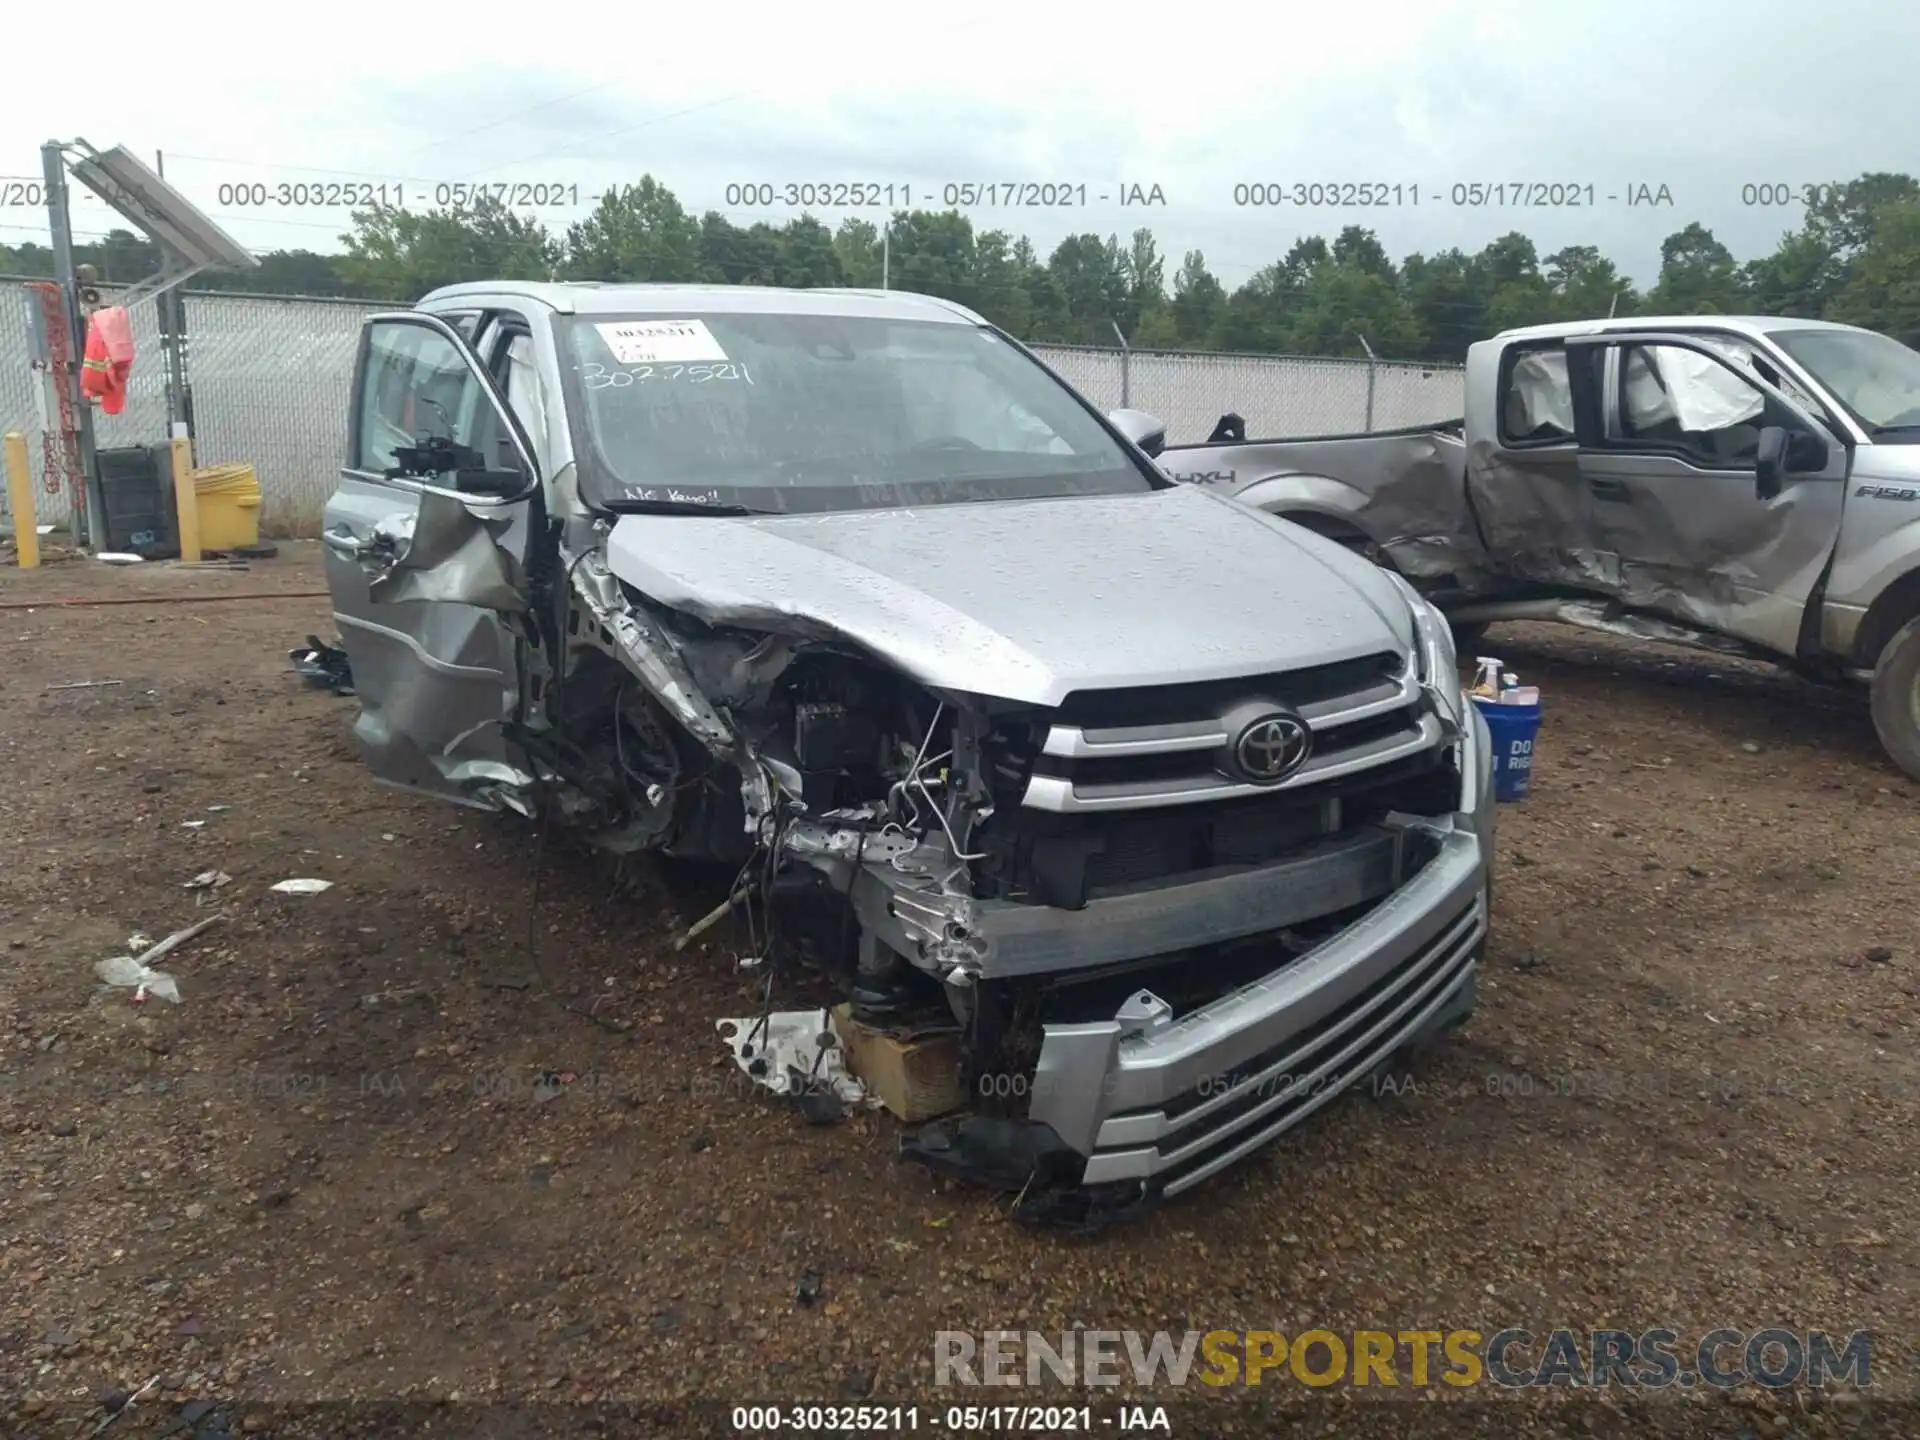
[[117, 557], [301, 887], [661, 342], [191, 824], [209, 880], [128, 973], [782, 1051]]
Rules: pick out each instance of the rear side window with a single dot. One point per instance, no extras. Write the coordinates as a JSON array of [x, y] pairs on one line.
[[1536, 399], [415, 384]]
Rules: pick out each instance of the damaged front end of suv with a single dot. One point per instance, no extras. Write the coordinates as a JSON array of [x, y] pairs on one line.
[[1172, 813]]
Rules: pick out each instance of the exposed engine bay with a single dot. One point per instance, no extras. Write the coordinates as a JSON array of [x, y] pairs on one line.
[[869, 818], [806, 764]]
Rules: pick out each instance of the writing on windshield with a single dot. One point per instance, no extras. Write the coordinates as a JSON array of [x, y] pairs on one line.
[[788, 411]]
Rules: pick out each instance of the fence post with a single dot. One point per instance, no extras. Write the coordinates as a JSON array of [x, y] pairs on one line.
[[1126, 366], [186, 500], [1370, 369], [26, 534]]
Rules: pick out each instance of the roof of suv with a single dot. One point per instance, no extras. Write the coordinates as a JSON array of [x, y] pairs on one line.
[[591, 297]]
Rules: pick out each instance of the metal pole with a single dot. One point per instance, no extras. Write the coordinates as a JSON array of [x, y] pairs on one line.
[[170, 337], [886, 253], [89, 523], [1613, 304], [1126, 366], [1371, 362]]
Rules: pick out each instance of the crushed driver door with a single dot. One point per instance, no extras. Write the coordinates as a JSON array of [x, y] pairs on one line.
[[425, 563], [1719, 494]]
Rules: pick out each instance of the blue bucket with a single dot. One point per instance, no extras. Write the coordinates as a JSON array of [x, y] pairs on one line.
[[1513, 728]]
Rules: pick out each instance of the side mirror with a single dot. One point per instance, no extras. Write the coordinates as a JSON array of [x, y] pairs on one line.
[[1785, 452], [1770, 462], [1144, 430], [1807, 453]]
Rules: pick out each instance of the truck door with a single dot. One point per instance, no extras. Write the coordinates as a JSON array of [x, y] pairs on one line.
[[1523, 473], [426, 541], [1719, 494]]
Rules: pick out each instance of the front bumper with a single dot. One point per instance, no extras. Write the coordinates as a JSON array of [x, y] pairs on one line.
[[1158, 1104]]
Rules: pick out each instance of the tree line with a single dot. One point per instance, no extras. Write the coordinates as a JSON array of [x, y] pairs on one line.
[[1854, 257]]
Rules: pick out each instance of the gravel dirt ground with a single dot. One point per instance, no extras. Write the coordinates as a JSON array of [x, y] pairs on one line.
[[331, 1173]]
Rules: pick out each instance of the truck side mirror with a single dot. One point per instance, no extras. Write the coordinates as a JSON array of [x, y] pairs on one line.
[[1807, 453], [1144, 430], [1784, 452], [1770, 462]]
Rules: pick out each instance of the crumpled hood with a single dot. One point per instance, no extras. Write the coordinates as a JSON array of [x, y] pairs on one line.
[[1030, 600]]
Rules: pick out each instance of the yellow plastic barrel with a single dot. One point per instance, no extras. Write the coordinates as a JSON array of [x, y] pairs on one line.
[[228, 499]]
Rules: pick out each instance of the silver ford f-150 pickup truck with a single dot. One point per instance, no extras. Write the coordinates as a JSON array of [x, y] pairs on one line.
[[1744, 484], [1175, 811]]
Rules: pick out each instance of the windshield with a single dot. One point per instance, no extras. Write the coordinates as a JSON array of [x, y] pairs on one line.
[[786, 412], [1874, 376]]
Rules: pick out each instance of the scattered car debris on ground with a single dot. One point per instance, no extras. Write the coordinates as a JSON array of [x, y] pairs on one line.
[[136, 972], [301, 886], [323, 665], [795, 1054], [127, 972], [208, 880], [86, 685]]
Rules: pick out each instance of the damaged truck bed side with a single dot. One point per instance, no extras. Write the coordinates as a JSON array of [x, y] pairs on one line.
[[1172, 811], [1750, 485]]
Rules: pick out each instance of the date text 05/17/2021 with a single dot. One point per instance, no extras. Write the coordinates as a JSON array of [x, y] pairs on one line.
[[893, 1420], [1459, 194], [945, 195]]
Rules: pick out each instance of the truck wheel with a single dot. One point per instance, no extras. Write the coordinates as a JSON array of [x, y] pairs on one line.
[[1896, 698]]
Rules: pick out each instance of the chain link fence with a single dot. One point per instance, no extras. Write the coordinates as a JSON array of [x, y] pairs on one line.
[[1279, 396], [270, 378]]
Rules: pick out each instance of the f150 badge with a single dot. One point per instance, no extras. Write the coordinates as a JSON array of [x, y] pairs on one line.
[[1888, 492]]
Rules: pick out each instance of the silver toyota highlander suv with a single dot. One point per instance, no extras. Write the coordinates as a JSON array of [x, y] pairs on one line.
[[1174, 810]]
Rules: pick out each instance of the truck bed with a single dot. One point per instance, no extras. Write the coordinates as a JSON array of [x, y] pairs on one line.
[[1402, 491]]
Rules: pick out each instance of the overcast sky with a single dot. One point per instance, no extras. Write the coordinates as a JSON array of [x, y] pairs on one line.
[[1196, 97]]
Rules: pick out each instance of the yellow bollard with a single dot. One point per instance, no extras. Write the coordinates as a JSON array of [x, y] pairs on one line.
[[26, 538], [186, 500]]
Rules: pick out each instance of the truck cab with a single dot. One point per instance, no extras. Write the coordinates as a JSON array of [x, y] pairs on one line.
[[1746, 484]]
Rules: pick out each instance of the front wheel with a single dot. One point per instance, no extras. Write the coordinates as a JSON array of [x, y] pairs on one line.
[[1896, 698]]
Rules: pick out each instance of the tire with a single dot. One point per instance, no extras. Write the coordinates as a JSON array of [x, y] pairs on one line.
[[1896, 698]]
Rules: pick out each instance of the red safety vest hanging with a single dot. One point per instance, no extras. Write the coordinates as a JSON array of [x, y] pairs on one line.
[[109, 358]]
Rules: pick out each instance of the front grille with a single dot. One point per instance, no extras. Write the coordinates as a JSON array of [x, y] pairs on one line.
[[1140, 749], [1171, 704], [1123, 788]]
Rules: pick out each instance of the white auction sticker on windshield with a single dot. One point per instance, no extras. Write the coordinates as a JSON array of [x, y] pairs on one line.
[[661, 342]]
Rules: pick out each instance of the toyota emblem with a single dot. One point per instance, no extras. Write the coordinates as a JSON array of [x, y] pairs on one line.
[[1272, 747]]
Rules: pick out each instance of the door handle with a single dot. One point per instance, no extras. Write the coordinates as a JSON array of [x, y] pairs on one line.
[[343, 542], [1609, 489]]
